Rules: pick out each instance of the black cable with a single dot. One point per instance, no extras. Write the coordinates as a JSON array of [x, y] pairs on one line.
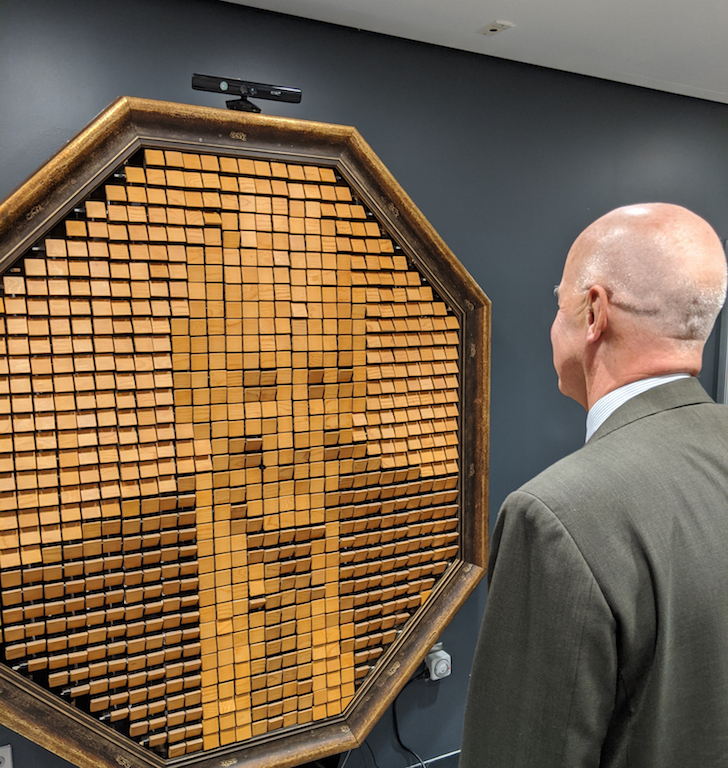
[[371, 752], [346, 759], [396, 726]]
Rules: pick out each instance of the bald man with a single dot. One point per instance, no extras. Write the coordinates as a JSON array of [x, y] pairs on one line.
[[605, 636]]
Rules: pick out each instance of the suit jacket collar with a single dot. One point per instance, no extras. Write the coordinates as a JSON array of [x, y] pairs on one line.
[[676, 394]]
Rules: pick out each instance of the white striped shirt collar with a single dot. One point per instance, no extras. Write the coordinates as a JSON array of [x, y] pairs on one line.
[[607, 405]]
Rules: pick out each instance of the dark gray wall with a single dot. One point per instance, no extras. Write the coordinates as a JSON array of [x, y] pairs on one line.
[[509, 162]]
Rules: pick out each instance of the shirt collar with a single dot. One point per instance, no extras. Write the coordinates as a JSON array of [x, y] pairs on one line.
[[607, 405]]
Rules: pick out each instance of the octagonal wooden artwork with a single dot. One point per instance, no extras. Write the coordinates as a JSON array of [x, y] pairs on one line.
[[243, 441]]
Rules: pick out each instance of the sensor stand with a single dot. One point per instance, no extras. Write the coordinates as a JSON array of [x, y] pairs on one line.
[[242, 105]]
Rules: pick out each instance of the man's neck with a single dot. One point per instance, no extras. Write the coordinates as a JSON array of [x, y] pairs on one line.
[[614, 365]]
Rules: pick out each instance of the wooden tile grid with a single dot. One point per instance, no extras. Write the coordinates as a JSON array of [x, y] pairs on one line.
[[243, 334], [88, 460]]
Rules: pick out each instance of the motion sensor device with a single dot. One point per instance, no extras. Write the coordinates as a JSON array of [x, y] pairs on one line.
[[244, 89]]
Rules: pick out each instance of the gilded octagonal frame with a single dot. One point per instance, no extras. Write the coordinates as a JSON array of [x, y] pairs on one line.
[[171, 269]]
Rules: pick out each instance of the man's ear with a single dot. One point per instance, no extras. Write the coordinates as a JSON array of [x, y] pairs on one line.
[[597, 313]]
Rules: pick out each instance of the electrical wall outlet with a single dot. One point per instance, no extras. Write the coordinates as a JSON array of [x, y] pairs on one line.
[[6, 756], [438, 662]]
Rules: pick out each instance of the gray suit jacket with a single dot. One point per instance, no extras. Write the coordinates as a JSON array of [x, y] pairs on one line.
[[605, 636]]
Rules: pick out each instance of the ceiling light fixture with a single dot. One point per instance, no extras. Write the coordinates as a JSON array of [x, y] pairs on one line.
[[497, 26]]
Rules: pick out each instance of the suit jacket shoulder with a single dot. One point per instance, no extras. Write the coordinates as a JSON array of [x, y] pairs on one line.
[[644, 509]]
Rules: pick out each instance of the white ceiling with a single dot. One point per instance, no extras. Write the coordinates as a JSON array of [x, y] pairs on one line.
[[670, 45]]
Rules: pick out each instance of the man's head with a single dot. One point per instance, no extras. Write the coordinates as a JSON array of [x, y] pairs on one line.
[[640, 292]]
